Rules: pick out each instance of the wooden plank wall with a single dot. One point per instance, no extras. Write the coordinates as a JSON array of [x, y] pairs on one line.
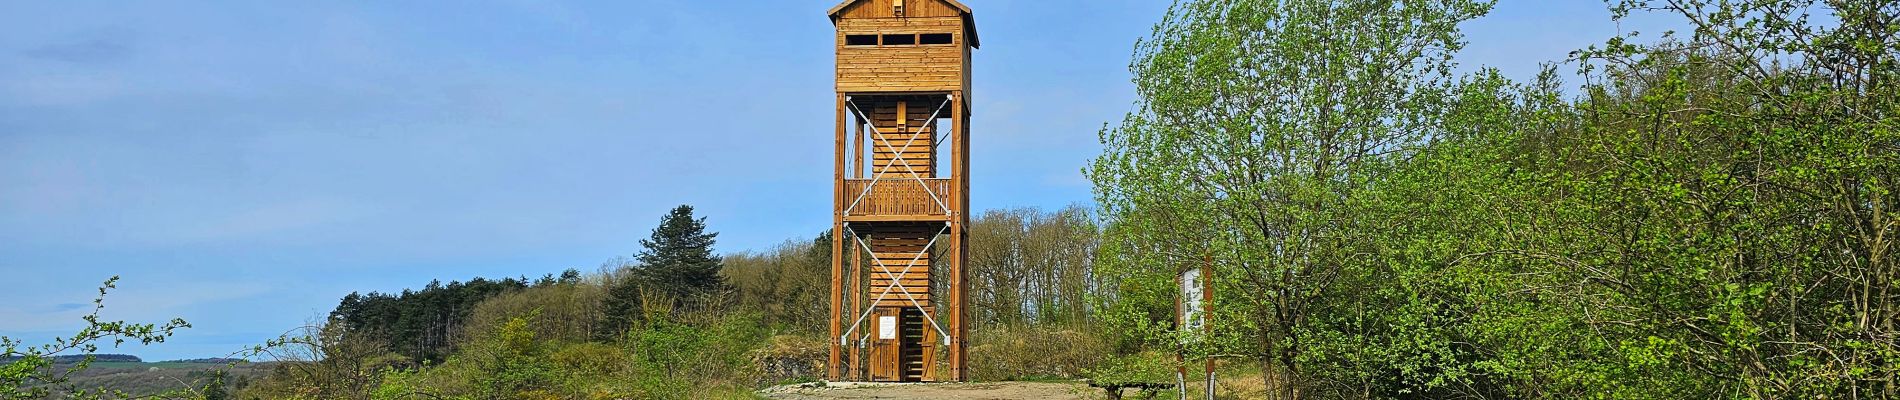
[[901, 68], [901, 148], [897, 248]]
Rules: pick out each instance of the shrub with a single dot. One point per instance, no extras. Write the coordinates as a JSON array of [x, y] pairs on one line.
[[1033, 352], [568, 312], [589, 359], [790, 358], [679, 360]]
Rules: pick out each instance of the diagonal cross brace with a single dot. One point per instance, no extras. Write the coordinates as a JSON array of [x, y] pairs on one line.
[[878, 175], [893, 276]]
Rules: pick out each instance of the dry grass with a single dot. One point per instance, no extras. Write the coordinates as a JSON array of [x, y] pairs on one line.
[[1033, 353]]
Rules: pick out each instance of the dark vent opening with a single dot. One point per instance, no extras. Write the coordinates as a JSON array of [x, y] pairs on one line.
[[860, 40], [934, 38], [899, 40]]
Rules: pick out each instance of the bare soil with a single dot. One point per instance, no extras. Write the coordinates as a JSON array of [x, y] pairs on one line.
[[934, 391]]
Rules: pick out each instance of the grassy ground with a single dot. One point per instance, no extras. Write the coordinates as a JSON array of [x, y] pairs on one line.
[[936, 391], [1234, 380]]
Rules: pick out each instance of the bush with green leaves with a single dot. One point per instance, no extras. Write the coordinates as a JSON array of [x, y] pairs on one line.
[[673, 359]]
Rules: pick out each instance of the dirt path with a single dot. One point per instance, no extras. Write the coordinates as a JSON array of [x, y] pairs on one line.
[[934, 391]]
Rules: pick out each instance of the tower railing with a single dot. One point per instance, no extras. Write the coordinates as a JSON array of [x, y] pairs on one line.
[[898, 197]]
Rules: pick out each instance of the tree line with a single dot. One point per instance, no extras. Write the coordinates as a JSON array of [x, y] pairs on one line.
[[1027, 266]]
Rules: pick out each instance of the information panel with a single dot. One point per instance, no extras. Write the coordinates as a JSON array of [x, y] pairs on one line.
[[887, 327]]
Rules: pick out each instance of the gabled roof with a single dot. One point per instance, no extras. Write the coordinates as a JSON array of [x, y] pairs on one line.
[[969, 18], [840, 7]]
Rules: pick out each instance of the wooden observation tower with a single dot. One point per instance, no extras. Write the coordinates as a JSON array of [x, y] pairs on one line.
[[900, 192]]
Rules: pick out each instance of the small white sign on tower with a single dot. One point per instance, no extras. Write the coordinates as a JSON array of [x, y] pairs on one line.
[[886, 327]]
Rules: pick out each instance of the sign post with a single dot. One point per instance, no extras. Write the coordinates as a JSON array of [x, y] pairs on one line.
[[1197, 293]]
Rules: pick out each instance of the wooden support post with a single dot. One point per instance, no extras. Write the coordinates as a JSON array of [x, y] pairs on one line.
[[1180, 359], [959, 217], [856, 362], [837, 236], [857, 306], [1207, 315]]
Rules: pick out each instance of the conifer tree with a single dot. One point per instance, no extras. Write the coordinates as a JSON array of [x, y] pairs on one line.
[[677, 262], [678, 259]]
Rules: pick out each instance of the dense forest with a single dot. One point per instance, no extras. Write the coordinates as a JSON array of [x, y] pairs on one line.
[[1703, 214]]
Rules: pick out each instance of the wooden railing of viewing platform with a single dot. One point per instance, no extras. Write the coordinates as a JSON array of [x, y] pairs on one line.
[[895, 198]]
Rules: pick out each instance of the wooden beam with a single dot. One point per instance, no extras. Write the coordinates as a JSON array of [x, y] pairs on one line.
[[832, 371], [857, 306], [958, 371], [898, 217]]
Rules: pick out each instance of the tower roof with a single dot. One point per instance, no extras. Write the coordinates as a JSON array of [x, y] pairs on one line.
[[969, 18]]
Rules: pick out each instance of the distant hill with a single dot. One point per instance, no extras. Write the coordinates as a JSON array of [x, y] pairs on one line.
[[203, 361], [139, 378]]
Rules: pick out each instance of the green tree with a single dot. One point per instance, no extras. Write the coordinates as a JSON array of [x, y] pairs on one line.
[[1259, 124], [676, 266], [787, 284], [678, 259], [1730, 193]]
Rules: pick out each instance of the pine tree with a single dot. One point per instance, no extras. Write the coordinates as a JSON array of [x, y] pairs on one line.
[[678, 259], [677, 262]]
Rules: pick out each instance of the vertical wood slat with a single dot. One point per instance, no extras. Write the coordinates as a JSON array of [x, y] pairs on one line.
[[898, 196]]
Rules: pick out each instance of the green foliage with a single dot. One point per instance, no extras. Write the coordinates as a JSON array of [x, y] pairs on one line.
[[1710, 219], [322, 362], [787, 284], [29, 372], [1139, 368], [679, 258], [1261, 125], [568, 312], [673, 359], [676, 267], [511, 363], [423, 324]]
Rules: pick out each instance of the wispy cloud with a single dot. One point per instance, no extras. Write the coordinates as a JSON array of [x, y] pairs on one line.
[[101, 47]]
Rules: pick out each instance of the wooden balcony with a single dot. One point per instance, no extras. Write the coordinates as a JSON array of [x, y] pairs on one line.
[[897, 199]]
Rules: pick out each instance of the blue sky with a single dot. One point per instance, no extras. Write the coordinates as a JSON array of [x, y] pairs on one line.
[[243, 165]]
